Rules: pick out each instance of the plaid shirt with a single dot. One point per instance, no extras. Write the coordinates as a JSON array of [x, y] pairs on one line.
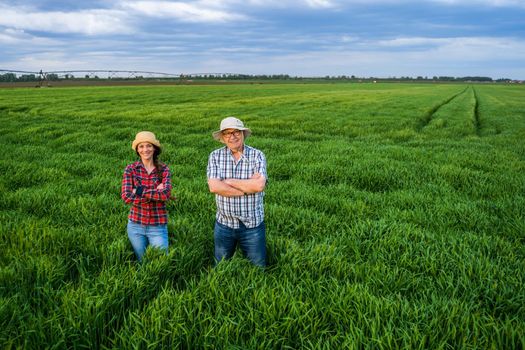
[[150, 208], [249, 208]]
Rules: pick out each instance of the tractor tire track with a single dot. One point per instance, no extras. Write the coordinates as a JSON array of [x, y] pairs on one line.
[[476, 120], [427, 118]]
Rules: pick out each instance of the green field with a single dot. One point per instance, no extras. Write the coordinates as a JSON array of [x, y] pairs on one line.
[[395, 218]]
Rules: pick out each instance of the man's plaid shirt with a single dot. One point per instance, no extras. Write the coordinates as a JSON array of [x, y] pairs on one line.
[[150, 207], [249, 208]]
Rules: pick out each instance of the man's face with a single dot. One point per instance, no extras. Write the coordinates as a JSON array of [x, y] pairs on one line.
[[233, 138]]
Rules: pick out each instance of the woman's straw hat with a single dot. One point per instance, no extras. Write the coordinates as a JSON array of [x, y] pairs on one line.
[[145, 136]]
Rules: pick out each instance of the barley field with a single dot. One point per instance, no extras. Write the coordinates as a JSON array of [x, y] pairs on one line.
[[395, 218]]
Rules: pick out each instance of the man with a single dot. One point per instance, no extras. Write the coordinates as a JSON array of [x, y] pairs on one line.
[[237, 175]]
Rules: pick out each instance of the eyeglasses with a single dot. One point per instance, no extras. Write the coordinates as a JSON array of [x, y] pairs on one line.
[[229, 134]]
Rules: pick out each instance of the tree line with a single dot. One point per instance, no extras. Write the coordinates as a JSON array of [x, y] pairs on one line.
[[12, 77]]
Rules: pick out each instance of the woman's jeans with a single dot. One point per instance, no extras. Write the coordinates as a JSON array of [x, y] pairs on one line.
[[141, 236], [252, 242]]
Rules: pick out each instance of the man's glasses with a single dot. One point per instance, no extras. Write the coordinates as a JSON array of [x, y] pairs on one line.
[[229, 134]]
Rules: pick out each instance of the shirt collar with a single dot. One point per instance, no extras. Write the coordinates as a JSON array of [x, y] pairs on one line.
[[244, 154], [139, 165]]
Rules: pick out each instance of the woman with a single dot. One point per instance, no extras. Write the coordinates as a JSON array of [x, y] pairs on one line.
[[146, 185]]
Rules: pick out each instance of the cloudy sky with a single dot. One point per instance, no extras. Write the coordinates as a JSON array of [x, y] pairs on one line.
[[380, 38]]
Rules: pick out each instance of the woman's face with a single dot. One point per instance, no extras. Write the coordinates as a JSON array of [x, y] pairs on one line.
[[145, 150]]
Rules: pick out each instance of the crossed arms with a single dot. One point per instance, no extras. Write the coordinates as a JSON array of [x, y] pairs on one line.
[[237, 187], [160, 194]]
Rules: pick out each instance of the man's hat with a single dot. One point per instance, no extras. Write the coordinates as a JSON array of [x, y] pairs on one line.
[[231, 123]]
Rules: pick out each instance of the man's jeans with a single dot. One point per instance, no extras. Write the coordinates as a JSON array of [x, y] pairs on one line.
[[141, 236], [252, 242]]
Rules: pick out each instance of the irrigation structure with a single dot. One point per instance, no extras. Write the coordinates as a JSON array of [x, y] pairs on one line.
[[44, 77]]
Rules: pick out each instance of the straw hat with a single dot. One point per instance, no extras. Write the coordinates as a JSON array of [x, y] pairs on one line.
[[145, 136], [231, 123]]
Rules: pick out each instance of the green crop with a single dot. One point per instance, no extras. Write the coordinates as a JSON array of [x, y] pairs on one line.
[[395, 218]]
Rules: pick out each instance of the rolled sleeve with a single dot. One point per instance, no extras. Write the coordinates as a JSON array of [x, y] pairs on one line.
[[213, 170]]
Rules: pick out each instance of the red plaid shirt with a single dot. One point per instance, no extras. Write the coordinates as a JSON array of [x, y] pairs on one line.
[[150, 207]]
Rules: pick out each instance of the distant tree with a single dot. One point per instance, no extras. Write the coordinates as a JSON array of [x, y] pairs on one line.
[[8, 77], [27, 77], [481, 79]]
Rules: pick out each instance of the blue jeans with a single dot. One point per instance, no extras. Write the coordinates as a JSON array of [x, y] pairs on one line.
[[141, 236], [252, 242]]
